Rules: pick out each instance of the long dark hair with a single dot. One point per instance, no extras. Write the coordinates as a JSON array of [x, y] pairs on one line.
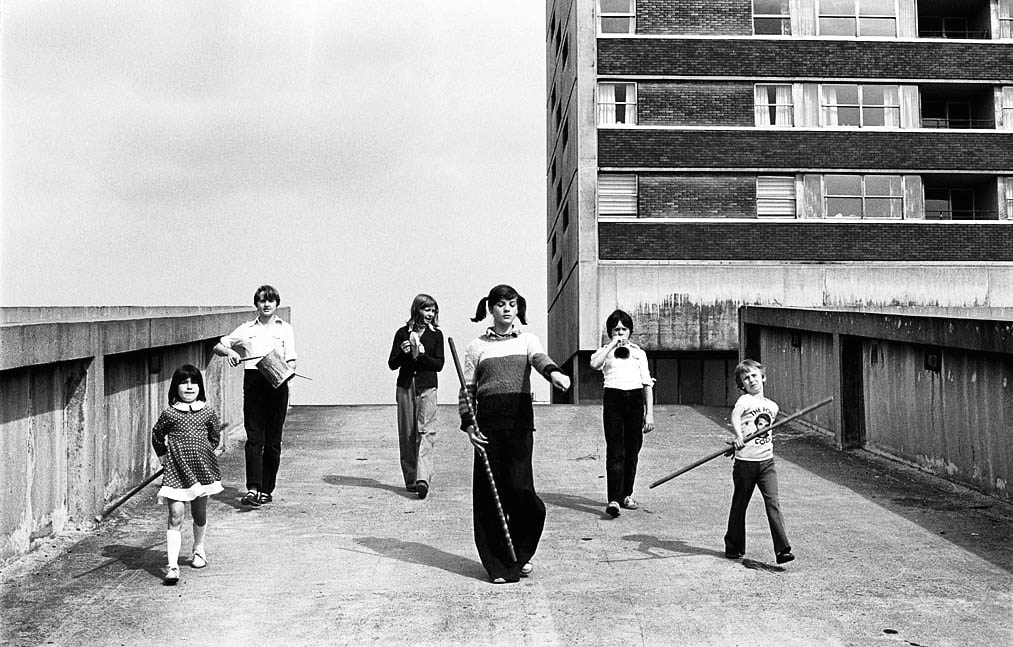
[[499, 293], [420, 302], [180, 375]]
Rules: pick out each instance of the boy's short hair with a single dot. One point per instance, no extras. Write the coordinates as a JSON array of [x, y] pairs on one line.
[[618, 316], [266, 293], [744, 367]]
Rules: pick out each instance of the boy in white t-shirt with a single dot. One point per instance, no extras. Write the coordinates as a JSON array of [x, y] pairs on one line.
[[754, 463]]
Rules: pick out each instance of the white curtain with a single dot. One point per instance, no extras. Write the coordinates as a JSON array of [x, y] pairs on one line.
[[829, 105], [891, 103], [606, 103], [761, 109], [784, 106]]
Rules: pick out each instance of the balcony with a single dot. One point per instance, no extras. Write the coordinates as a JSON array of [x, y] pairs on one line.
[[960, 197], [957, 106], [964, 19]]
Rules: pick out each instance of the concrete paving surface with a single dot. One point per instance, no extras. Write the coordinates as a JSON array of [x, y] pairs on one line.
[[345, 556]]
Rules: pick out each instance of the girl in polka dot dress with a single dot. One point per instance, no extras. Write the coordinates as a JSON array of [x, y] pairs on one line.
[[186, 439]]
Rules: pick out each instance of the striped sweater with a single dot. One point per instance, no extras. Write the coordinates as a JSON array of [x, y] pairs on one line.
[[497, 375]]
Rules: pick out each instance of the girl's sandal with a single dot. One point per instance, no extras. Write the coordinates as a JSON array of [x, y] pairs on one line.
[[198, 560], [171, 574]]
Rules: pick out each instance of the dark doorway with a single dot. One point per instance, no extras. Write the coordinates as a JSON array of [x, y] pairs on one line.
[[852, 390]]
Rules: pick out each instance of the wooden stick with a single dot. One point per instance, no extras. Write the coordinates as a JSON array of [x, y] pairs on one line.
[[759, 432], [481, 453], [126, 497]]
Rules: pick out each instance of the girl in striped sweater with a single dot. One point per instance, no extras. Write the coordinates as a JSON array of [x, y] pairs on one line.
[[497, 374]]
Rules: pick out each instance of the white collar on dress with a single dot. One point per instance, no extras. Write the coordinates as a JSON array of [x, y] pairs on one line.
[[196, 405]]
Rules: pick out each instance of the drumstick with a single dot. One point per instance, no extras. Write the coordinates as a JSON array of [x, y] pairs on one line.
[[247, 359], [758, 432], [481, 453]]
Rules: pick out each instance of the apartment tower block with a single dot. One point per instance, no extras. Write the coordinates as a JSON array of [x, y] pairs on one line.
[[709, 154]]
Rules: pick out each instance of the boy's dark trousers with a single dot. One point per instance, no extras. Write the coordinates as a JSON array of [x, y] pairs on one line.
[[745, 476], [264, 411], [623, 420]]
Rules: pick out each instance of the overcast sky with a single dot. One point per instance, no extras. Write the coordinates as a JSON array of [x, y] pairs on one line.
[[352, 154]]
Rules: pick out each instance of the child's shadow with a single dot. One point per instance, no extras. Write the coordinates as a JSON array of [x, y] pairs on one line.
[[578, 503], [133, 558], [649, 544], [359, 481], [415, 553]]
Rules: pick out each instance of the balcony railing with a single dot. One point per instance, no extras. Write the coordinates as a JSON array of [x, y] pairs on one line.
[[971, 34], [961, 214], [929, 122]]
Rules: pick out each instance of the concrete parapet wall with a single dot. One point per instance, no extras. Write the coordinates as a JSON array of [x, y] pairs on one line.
[[79, 393], [932, 391]]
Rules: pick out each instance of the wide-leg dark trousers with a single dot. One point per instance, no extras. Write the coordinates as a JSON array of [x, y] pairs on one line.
[[623, 420], [745, 476], [264, 411], [509, 455]]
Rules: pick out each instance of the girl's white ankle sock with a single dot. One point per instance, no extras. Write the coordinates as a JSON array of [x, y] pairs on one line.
[[173, 540]]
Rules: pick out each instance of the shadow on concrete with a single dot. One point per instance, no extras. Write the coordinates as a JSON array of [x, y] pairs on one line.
[[649, 545], [359, 481], [415, 553], [755, 565], [133, 558], [572, 502], [230, 496], [975, 522]]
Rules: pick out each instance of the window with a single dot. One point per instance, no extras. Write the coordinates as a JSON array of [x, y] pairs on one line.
[[1007, 107], [617, 16], [857, 17], [863, 196], [775, 196], [1005, 18], [617, 195], [1009, 198], [772, 105], [946, 114], [617, 103], [771, 18], [864, 106]]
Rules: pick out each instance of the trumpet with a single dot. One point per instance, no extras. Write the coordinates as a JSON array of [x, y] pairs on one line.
[[622, 350]]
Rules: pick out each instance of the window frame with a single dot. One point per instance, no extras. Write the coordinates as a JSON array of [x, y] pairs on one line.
[[768, 106], [861, 106], [864, 197], [1005, 20], [857, 17], [1009, 198], [1006, 105], [630, 106], [631, 15], [623, 195], [785, 19]]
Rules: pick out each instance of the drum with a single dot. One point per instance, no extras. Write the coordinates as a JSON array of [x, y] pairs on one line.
[[275, 369]]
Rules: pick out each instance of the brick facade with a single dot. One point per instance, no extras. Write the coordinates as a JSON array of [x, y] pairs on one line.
[[695, 104], [706, 17], [696, 195], [810, 58], [805, 241], [806, 149]]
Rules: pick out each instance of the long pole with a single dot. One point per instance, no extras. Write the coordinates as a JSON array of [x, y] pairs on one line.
[[481, 452], [759, 432]]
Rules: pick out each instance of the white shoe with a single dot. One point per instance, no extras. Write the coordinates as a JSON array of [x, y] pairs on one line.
[[171, 574], [198, 560], [526, 569], [630, 504]]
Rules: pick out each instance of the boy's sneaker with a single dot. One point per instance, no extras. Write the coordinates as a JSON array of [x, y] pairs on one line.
[[526, 569], [265, 497], [732, 554], [629, 503], [785, 557], [612, 509], [422, 488], [251, 499]]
